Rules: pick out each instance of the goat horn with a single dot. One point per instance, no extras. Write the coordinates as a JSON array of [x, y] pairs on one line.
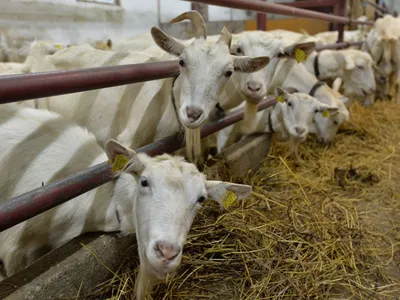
[[197, 21], [226, 37]]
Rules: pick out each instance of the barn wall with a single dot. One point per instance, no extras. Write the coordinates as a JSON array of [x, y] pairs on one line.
[[72, 21]]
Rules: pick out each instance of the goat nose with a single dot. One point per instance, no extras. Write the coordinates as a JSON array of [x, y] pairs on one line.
[[193, 112], [300, 130], [167, 251], [254, 86]]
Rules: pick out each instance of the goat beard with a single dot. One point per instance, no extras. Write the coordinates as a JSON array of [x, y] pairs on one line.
[[193, 145]]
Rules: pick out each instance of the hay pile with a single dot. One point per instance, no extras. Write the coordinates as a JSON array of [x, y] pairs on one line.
[[326, 227]]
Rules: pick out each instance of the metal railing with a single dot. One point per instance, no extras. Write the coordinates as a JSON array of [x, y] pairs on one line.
[[31, 86], [289, 10]]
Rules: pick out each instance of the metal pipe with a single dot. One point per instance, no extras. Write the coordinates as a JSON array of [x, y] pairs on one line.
[[32, 203], [341, 11], [339, 45], [309, 4], [15, 88], [261, 21], [265, 7], [377, 7]]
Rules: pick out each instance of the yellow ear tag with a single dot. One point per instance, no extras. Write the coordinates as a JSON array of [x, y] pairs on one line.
[[326, 114], [229, 199], [281, 99], [119, 162], [58, 46], [300, 55]]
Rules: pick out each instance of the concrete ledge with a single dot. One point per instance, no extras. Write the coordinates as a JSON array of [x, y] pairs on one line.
[[243, 156], [64, 271], [81, 271]]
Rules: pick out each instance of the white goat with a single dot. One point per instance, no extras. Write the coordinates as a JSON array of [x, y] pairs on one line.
[[331, 37], [286, 73], [140, 113], [380, 44], [354, 67], [290, 118], [156, 198]]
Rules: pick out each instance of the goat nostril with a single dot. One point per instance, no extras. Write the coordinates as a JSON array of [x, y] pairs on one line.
[[167, 251], [300, 130], [193, 113], [253, 86]]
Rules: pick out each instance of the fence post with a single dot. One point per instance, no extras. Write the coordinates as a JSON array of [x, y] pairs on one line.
[[202, 9], [341, 9], [262, 20]]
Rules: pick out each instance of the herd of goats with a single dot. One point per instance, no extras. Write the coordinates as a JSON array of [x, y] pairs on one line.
[[45, 140]]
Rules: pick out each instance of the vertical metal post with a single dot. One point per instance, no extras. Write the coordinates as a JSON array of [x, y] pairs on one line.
[[202, 9], [341, 11], [262, 20]]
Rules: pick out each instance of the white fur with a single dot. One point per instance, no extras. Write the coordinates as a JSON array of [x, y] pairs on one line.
[[354, 67], [42, 147], [331, 37], [298, 111], [287, 73], [139, 114]]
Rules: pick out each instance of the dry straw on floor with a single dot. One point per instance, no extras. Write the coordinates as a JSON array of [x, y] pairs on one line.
[[327, 227]]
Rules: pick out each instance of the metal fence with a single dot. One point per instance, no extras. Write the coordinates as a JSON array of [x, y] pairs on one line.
[[31, 86]]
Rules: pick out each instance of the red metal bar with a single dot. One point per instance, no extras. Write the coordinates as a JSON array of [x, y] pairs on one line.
[[339, 45], [15, 88], [261, 21], [341, 11], [264, 7], [309, 4], [30, 204]]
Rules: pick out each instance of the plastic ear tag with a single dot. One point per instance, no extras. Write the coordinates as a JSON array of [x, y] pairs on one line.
[[326, 114], [229, 199], [300, 55], [119, 162], [58, 46], [281, 99]]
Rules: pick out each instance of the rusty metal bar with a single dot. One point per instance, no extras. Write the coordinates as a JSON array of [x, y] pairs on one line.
[[15, 88], [377, 7], [342, 12], [261, 20], [265, 7], [339, 45], [30, 204], [309, 4]]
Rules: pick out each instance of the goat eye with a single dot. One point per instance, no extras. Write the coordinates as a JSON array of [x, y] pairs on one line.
[[201, 199], [316, 111], [360, 67], [289, 104], [228, 74], [239, 50], [181, 62], [144, 182], [335, 122]]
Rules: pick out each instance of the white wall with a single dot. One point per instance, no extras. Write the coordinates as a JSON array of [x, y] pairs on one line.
[[72, 21]]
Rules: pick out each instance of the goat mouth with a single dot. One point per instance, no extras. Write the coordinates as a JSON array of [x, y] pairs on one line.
[[160, 272], [254, 98], [192, 124]]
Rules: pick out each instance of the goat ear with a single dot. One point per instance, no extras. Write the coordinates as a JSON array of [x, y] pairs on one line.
[[123, 158], [166, 42], [305, 49], [225, 193], [349, 62], [249, 64], [281, 94], [326, 108]]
